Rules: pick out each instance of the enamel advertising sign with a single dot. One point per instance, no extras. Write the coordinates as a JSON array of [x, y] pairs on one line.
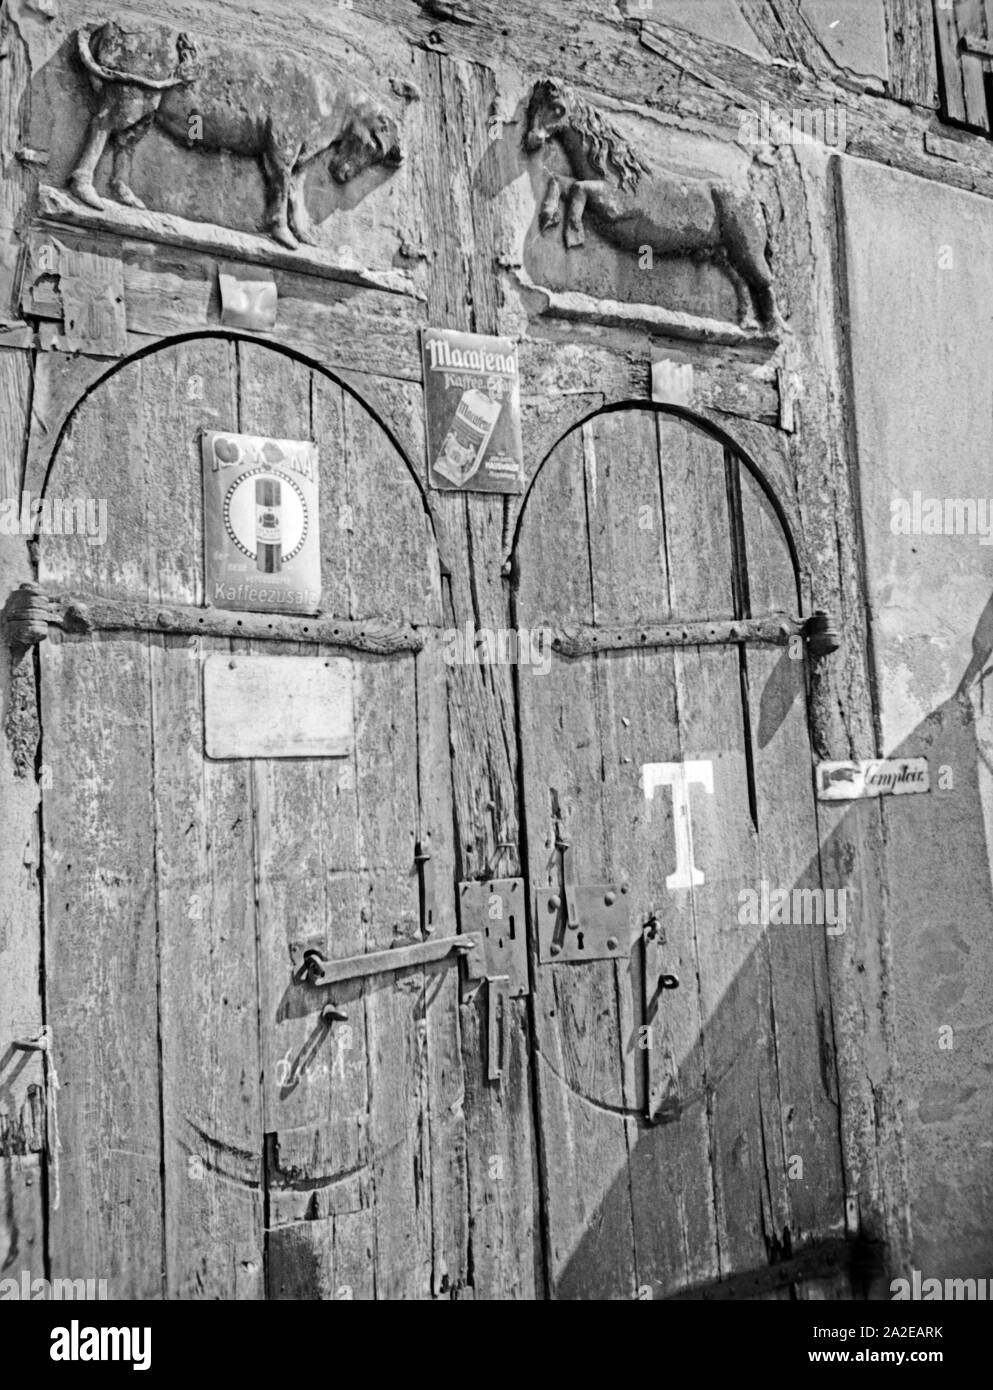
[[262, 547], [472, 406]]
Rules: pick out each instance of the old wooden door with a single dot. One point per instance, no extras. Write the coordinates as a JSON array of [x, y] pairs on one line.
[[217, 1139], [636, 516]]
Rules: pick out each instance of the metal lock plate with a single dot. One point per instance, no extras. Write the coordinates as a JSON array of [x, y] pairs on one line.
[[494, 913], [602, 930]]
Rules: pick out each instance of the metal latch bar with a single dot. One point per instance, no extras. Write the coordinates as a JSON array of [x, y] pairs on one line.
[[819, 632], [425, 875], [330, 972], [30, 610], [661, 1084], [496, 1027]]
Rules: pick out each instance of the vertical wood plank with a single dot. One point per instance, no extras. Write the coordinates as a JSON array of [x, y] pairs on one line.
[[671, 1185], [910, 30], [446, 1083], [462, 293], [738, 1058], [212, 1158], [315, 1087], [808, 1113], [584, 1146], [100, 963], [950, 64], [22, 1076], [348, 1106], [391, 538], [101, 948]]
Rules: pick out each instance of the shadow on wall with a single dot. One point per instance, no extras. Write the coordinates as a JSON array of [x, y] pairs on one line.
[[938, 900]]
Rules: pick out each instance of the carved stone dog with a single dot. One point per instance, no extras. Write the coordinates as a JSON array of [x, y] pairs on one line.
[[275, 110]]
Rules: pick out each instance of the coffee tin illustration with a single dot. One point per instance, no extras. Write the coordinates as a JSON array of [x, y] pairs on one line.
[[473, 412], [262, 547]]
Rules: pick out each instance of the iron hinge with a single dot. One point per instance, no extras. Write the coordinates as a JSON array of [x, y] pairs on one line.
[[26, 616]]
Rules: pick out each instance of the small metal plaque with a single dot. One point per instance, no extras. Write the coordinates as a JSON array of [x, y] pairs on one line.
[[248, 302], [494, 913], [872, 777], [277, 706], [672, 379], [602, 930]]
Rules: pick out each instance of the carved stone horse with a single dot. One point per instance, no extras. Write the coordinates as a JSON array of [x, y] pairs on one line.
[[269, 107], [634, 206]]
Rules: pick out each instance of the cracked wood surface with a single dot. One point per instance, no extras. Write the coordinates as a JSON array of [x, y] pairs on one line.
[[296, 1157], [486, 1234], [638, 512]]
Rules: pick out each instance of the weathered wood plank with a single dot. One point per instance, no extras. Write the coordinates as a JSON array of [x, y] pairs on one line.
[[315, 1089], [805, 1122], [211, 1099], [100, 963], [583, 1145], [463, 294], [386, 775], [100, 924], [105, 431], [738, 1059], [390, 529], [15, 109], [446, 1082], [209, 995], [669, 1164], [912, 60]]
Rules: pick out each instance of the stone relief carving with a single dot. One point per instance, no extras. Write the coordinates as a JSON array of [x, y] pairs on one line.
[[276, 110], [634, 205]]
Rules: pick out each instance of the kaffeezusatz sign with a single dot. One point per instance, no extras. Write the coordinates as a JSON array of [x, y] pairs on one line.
[[261, 542], [472, 406]]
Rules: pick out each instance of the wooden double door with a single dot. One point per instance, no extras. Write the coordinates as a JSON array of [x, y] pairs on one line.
[[218, 1134]]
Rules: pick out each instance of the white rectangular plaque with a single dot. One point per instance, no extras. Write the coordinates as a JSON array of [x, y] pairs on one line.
[[277, 706], [872, 777]]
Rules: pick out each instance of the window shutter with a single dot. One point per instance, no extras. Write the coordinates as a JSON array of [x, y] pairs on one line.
[[965, 44]]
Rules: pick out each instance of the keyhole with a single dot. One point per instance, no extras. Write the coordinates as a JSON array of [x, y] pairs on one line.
[[513, 934], [579, 940]]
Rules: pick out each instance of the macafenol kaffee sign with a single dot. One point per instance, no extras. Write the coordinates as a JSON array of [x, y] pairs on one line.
[[472, 406]]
